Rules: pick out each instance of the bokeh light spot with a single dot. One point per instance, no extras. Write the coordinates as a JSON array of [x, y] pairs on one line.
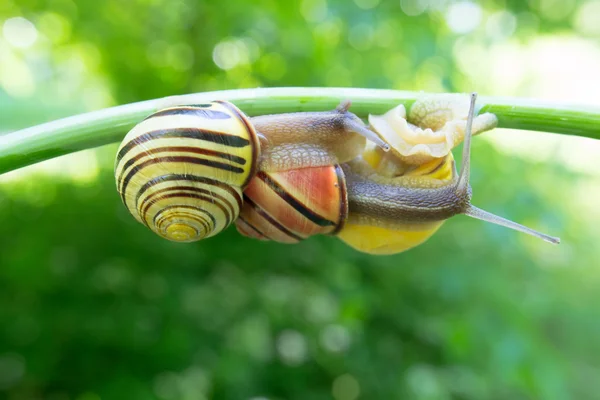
[[345, 387], [15, 75], [556, 9], [252, 48], [414, 7], [587, 18], [505, 69], [292, 347], [423, 382], [321, 308], [229, 54], [19, 32], [226, 55], [500, 25], [463, 17], [335, 338]]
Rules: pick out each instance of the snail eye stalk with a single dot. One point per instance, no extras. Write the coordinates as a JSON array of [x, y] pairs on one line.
[[462, 186]]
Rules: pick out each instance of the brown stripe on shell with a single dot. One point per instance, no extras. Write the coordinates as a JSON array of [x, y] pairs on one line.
[[186, 195], [192, 217], [184, 149], [191, 110], [294, 202], [220, 138], [150, 200], [242, 220], [191, 178], [187, 207], [259, 210], [175, 159]]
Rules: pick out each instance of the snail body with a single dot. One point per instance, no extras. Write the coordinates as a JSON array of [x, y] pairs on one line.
[[189, 172], [313, 139]]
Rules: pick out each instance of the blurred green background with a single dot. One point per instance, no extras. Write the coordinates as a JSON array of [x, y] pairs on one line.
[[94, 306]]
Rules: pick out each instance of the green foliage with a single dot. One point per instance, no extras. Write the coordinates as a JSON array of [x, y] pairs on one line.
[[94, 306], [93, 302]]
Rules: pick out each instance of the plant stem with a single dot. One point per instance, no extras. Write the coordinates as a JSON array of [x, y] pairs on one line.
[[28, 146]]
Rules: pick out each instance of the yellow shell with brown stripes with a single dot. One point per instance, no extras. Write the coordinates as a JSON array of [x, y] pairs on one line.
[[182, 170]]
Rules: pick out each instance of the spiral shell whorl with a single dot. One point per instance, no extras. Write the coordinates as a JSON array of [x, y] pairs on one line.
[[182, 170]]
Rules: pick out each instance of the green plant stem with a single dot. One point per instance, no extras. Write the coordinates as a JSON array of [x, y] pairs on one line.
[[28, 146]]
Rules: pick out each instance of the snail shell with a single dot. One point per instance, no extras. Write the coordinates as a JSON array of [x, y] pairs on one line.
[[290, 206], [182, 170]]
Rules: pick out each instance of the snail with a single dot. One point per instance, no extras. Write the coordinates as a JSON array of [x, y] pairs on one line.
[[188, 172], [182, 170]]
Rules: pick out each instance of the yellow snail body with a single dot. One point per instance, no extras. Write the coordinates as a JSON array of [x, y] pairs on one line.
[[381, 189]]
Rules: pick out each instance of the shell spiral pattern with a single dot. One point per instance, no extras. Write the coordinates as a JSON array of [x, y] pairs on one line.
[[182, 170]]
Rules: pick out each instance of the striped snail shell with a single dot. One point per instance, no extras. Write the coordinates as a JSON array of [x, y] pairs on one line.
[[293, 205], [182, 170]]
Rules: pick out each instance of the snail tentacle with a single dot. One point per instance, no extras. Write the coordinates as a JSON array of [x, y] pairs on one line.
[[462, 184]]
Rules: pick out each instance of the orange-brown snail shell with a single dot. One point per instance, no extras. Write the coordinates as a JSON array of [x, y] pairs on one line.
[[290, 206]]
